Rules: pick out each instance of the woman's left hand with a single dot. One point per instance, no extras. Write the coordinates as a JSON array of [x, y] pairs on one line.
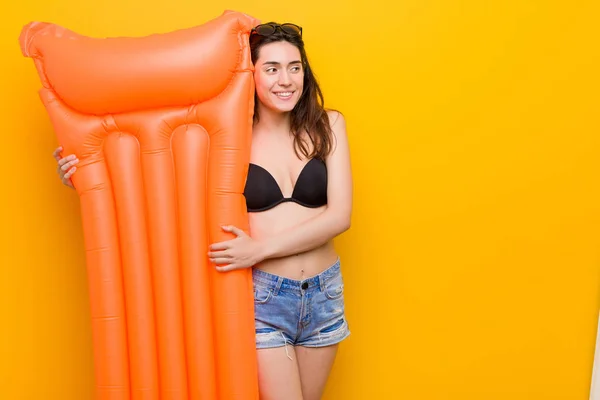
[[238, 253]]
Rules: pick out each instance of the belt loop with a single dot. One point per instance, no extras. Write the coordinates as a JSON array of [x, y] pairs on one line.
[[278, 285], [322, 282]]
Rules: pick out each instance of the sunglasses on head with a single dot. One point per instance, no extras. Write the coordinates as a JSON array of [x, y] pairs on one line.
[[269, 29]]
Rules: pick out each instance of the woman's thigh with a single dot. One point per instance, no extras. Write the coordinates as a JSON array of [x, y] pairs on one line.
[[314, 365], [278, 374]]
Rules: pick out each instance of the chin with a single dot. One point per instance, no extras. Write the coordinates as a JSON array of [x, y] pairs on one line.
[[283, 108], [286, 109]]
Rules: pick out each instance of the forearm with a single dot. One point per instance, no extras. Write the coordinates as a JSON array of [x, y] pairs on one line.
[[306, 236]]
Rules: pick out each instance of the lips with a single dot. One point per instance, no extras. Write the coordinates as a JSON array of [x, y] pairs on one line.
[[284, 95]]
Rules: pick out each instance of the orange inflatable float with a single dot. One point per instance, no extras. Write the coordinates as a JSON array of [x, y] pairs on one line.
[[161, 126]]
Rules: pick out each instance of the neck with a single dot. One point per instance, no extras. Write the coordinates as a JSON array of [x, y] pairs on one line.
[[273, 121]]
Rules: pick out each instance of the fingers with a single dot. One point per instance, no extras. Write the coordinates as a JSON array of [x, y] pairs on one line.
[[67, 162], [219, 254], [219, 257], [219, 246], [227, 268], [69, 173], [69, 166], [236, 231], [221, 260], [56, 153], [66, 169], [66, 166]]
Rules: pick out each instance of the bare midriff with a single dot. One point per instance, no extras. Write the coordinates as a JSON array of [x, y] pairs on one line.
[[277, 221]]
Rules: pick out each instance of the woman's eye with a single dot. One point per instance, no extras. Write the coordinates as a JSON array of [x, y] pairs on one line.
[[271, 70]]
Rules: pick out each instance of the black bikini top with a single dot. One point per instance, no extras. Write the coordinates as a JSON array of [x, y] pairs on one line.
[[263, 193]]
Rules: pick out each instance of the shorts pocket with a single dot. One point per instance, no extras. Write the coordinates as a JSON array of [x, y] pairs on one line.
[[262, 295], [335, 289]]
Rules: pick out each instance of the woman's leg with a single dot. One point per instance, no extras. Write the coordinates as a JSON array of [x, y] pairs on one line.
[[278, 375], [315, 364]]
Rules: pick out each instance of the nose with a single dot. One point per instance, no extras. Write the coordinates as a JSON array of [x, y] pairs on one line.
[[284, 79]]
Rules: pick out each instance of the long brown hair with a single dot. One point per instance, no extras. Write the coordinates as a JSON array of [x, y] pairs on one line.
[[309, 115]]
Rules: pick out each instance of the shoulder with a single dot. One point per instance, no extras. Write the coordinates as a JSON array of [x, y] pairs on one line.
[[337, 123], [336, 119], [339, 139]]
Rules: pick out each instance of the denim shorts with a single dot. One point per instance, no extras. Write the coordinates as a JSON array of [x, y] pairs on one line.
[[301, 313]]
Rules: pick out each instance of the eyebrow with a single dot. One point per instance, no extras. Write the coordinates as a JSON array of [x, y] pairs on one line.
[[278, 63]]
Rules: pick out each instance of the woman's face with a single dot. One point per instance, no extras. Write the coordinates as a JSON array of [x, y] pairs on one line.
[[279, 76]]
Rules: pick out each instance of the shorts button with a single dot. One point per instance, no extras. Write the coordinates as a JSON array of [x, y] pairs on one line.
[[305, 285]]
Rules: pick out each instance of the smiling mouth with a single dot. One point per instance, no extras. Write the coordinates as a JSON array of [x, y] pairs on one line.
[[284, 95]]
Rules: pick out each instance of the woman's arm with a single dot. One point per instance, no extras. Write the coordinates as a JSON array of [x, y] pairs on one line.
[[243, 251], [336, 217]]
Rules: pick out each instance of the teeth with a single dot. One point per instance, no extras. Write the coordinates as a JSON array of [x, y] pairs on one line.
[[284, 94]]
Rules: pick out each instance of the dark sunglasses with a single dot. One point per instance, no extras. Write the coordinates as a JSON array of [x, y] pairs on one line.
[[269, 29]]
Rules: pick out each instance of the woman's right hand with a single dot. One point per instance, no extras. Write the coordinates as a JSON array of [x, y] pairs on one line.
[[66, 167]]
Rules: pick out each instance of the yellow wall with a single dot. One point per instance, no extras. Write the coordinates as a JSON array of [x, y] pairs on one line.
[[472, 264]]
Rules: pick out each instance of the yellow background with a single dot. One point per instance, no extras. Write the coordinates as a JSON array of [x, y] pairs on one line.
[[472, 265]]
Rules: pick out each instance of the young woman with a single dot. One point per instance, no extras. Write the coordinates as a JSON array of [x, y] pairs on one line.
[[299, 197]]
